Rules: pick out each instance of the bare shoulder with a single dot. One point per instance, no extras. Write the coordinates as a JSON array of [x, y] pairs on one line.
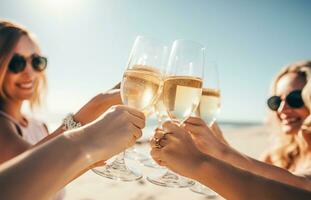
[[11, 144], [7, 128]]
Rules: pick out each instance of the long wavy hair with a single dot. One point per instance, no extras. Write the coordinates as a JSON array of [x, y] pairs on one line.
[[288, 147], [10, 34], [306, 96]]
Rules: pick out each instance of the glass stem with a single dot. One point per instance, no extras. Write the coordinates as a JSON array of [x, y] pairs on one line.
[[159, 119], [120, 158]]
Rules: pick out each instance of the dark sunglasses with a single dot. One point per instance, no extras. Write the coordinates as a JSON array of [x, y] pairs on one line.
[[293, 99], [18, 63]]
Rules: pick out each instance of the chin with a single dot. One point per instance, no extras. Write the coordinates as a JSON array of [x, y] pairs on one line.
[[25, 96]]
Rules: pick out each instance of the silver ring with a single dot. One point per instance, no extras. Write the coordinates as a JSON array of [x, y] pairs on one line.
[[157, 143]]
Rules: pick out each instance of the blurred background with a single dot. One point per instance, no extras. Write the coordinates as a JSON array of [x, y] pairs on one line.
[[88, 43]]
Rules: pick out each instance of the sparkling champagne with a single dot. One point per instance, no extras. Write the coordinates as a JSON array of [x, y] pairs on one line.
[[141, 86], [181, 96], [209, 106], [160, 111]]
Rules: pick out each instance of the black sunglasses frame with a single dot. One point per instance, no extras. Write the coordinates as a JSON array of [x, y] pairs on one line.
[[18, 63], [293, 99]]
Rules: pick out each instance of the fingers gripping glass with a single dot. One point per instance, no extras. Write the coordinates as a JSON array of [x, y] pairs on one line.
[[18, 63], [293, 99]]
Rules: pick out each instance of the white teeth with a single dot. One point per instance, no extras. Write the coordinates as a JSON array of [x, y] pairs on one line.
[[26, 85], [290, 120]]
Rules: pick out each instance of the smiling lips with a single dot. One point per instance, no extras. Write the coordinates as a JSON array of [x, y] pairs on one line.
[[26, 85], [290, 120]]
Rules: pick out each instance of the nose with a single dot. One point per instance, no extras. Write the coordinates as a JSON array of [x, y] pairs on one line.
[[28, 71], [283, 107]]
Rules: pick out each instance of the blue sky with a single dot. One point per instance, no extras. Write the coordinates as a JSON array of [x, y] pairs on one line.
[[88, 43]]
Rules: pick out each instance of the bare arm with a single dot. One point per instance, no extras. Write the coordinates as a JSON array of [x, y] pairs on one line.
[[270, 171], [209, 144], [228, 180], [56, 162], [240, 184], [91, 110], [11, 144], [27, 168]]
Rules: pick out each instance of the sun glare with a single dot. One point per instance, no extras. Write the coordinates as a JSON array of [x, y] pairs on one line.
[[62, 6]]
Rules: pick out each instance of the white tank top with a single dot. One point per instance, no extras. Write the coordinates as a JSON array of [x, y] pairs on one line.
[[33, 133]]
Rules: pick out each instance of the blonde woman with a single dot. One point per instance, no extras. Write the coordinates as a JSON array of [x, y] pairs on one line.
[[22, 78], [289, 111]]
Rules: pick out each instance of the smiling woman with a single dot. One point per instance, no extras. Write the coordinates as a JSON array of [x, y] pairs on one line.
[[21, 81], [288, 113], [21, 68], [22, 78]]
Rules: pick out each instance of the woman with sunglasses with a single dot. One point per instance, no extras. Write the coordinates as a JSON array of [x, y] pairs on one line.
[[22, 78], [288, 112]]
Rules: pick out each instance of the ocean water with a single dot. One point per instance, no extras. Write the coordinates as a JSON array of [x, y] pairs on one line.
[[151, 124]]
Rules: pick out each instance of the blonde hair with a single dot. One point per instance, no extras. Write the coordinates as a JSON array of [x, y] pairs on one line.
[[10, 34], [306, 96], [288, 148], [306, 92]]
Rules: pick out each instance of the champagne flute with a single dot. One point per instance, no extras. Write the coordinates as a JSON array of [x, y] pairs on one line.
[[182, 89], [208, 110], [209, 106], [140, 88]]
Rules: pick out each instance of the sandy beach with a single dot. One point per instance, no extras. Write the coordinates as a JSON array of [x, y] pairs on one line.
[[90, 186]]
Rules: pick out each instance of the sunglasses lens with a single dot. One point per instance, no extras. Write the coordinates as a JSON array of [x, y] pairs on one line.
[[17, 64], [274, 103], [39, 63], [294, 99]]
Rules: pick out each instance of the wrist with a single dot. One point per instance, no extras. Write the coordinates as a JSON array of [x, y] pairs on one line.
[[218, 151], [94, 149], [222, 150], [200, 171], [77, 141], [198, 161], [69, 122]]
